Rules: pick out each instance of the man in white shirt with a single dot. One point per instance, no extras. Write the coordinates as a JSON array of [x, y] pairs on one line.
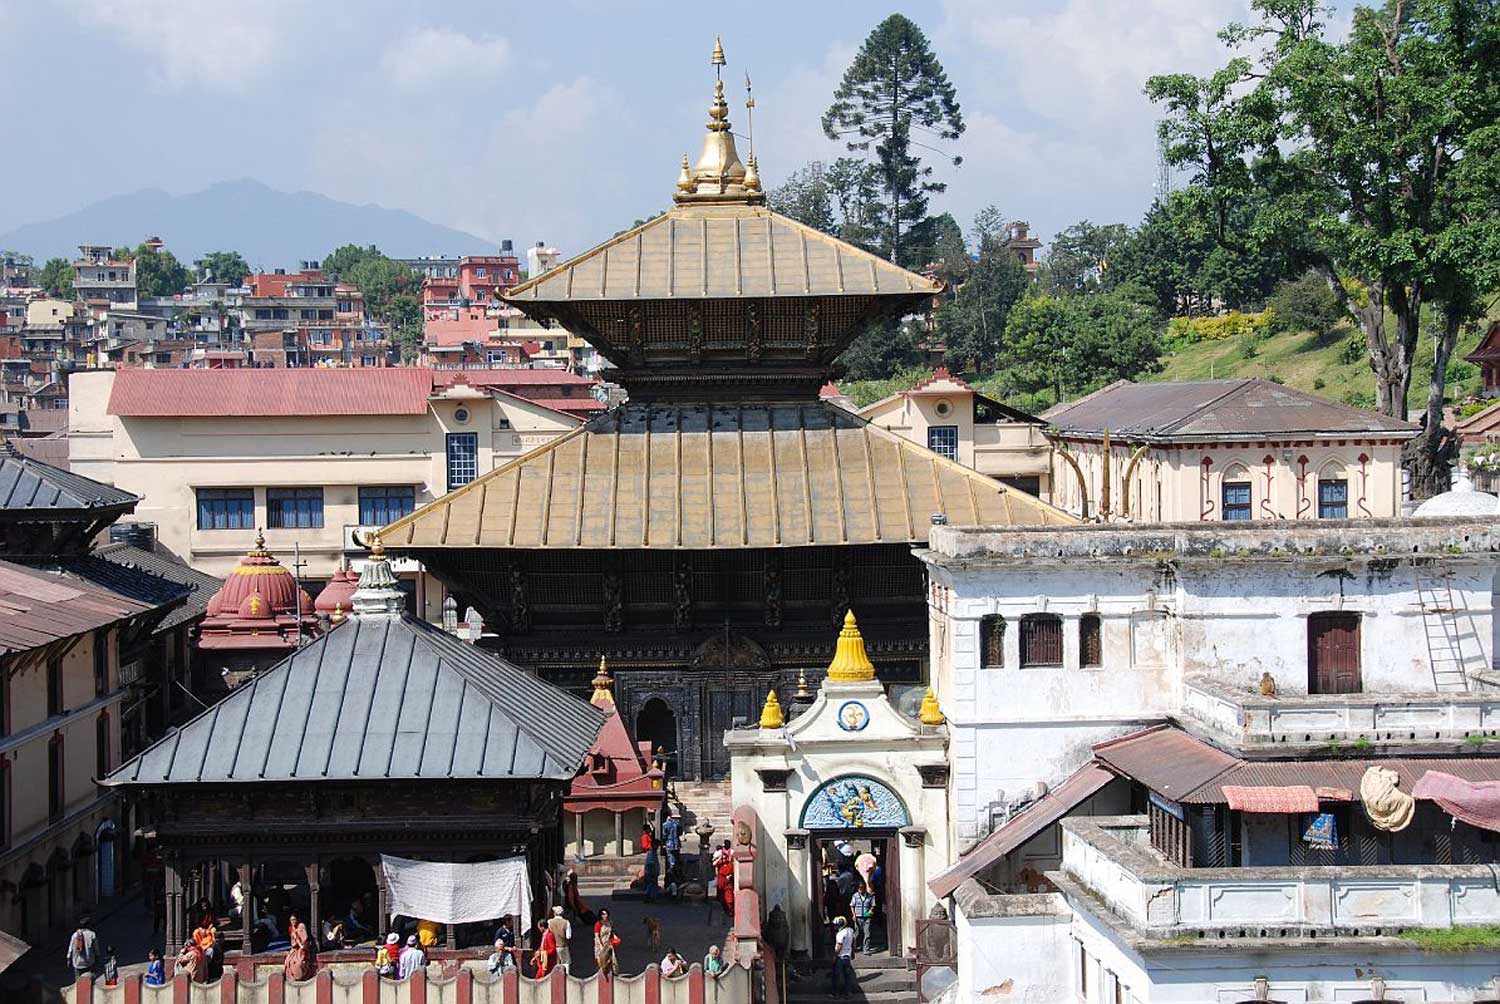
[[412, 957], [844, 980]]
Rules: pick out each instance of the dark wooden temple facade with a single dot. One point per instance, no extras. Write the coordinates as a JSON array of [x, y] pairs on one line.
[[383, 736], [708, 536]]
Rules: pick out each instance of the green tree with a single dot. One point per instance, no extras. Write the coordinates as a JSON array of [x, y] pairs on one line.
[[392, 291], [949, 254], [222, 266], [884, 349], [972, 324], [405, 319], [1305, 304], [896, 87], [805, 197], [1079, 255], [56, 277], [159, 273], [1072, 345], [1357, 157]]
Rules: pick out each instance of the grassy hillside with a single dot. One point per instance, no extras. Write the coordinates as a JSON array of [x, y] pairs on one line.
[[1317, 365]]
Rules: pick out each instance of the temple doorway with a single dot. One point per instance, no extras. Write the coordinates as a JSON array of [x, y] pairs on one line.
[[841, 861], [656, 722]]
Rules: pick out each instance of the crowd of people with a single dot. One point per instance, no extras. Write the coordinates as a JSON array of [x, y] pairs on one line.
[[853, 908]]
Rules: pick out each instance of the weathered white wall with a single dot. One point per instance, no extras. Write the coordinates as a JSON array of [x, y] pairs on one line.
[[1018, 954]]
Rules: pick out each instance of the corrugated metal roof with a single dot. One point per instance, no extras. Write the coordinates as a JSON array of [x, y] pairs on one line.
[[723, 252], [378, 698], [38, 607], [1206, 409], [199, 586], [698, 476], [1166, 760], [1089, 780], [1341, 774], [29, 486], [262, 393]]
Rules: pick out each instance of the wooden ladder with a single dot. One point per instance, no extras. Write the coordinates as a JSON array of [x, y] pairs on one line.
[[1444, 632]]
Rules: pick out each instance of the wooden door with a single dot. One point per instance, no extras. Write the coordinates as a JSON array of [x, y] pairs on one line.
[[1333, 654], [891, 863]]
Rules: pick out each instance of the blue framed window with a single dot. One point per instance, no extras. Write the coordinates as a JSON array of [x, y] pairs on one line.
[[294, 508], [943, 439], [463, 458], [384, 504], [226, 509], [1333, 498], [1236, 500]]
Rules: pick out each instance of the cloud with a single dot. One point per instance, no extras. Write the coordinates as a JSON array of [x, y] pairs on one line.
[[211, 44], [432, 57]]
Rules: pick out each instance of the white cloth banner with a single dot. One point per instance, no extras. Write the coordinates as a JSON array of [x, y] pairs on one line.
[[451, 893]]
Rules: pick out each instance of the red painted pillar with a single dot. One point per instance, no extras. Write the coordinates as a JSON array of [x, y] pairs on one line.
[[83, 989], [463, 987], [229, 987], [510, 986], [605, 988], [275, 988], [418, 988], [369, 987], [653, 984], [132, 988], [695, 978], [180, 989], [558, 981], [323, 986]]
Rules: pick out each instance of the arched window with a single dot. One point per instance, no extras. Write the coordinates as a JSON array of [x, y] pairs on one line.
[[1090, 641], [992, 642], [1234, 494], [1041, 640], [1333, 492]]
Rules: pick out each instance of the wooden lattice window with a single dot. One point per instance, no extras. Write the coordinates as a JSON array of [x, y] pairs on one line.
[[1041, 640], [992, 642], [1090, 641]]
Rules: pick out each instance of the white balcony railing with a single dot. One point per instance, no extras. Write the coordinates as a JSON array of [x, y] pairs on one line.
[[1109, 856], [1247, 720]]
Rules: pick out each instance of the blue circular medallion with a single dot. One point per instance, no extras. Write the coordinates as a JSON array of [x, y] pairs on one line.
[[853, 716]]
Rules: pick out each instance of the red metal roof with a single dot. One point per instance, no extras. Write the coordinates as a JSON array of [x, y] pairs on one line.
[[1166, 760], [38, 607], [254, 393], [1030, 821]]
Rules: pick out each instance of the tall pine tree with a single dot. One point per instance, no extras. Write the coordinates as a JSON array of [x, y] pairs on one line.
[[894, 88]]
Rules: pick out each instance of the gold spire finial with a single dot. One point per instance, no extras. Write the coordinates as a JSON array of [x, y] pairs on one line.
[[851, 664], [260, 539], [377, 548], [685, 179], [719, 177], [770, 715], [337, 616], [602, 684], [803, 694], [930, 714]]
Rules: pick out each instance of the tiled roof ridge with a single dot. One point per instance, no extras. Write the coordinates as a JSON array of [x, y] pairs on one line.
[[941, 373]]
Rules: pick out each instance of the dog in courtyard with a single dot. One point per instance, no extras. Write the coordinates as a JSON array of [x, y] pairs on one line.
[[653, 932]]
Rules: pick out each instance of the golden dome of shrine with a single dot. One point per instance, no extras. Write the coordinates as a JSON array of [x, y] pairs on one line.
[[850, 662]]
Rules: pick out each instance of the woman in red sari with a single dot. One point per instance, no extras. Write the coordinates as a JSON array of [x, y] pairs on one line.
[[546, 953], [725, 872], [299, 963]]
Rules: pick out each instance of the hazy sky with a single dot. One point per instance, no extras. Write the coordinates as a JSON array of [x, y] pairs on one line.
[[565, 120]]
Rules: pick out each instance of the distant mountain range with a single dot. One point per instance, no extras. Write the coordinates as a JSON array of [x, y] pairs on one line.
[[270, 228]]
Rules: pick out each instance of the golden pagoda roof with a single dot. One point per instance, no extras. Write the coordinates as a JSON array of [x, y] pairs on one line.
[[704, 476], [723, 251]]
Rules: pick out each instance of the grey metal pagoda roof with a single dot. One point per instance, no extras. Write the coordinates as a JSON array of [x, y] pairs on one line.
[[382, 698], [32, 488]]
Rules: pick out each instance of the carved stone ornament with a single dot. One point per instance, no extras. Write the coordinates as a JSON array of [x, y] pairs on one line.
[[773, 591], [614, 602], [695, 335], [520, 610], [753, 335], [811, 324], [913, 836], [796, 840], [934, 775], [733, 652], [682, 596], [637, 335], [773, 778]]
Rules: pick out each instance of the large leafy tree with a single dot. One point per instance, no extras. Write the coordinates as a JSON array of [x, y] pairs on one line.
[[1360, 158], [223, 266], [392, 291], [972, 323], [1079, 255], [894, 99], [158, 272], [1071, 345], [806, 198], [56, 277], [884, 349]]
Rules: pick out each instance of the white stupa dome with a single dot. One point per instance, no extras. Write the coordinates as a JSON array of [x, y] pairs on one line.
[[1462, 500]]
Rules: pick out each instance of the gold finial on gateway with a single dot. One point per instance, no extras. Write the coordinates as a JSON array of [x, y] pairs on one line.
[[718, 59], [770, 715], [602, 684], [851, 664], [719, 177]]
